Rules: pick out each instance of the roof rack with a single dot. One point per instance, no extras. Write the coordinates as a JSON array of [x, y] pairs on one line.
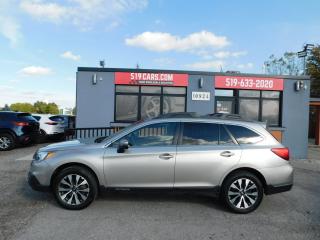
[[178, 115], [225, 116]]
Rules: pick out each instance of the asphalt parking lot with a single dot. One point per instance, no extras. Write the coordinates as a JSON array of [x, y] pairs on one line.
[[26, 214]]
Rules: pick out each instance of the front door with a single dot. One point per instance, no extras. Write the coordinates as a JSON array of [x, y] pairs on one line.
[[148, 162], [205, 152]]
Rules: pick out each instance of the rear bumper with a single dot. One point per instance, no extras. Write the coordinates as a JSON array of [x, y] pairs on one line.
[[270, 189], [28, 137]]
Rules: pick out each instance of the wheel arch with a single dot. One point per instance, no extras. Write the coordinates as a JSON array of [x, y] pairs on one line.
[[66, 165], [8, 131], [250, 170]]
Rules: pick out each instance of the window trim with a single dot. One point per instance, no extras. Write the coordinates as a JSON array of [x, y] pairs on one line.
[[139, 94]]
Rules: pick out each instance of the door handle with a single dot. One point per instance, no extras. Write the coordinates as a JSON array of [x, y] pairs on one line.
[[165, 156], [227, 154]]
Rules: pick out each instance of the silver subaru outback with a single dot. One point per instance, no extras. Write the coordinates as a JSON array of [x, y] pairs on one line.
[[238, 160]]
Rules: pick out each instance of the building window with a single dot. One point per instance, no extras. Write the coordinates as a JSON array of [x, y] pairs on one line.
[[250, 104], [133, 103]]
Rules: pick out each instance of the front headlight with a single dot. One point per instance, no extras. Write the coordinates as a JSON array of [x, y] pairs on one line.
[[39, 156]]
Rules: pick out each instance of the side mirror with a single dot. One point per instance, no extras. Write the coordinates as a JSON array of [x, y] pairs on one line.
[[123, 145]]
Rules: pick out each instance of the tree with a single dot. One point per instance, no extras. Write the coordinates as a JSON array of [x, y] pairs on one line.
[[40, 107], [5, 108], [52, 108], [288, 64], [37, 107], [22, 107], [313, 69]]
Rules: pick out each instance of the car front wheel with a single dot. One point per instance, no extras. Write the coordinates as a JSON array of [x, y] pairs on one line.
[[242, 192], [75, 188]]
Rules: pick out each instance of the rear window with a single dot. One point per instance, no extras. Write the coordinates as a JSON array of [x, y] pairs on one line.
[[200, 134], [25, 116], [244, 135], [37, 117], [56, 118]]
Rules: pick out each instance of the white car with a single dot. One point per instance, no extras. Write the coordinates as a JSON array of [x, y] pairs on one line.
[[50, 125]]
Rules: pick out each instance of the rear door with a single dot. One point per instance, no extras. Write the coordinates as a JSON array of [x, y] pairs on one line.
[[204, 153]]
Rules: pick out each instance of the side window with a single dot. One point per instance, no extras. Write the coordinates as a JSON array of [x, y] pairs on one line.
[[244, 135], [224, 136], [200, 134], [159, 134]]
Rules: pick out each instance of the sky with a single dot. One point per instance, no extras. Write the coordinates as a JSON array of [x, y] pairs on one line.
[[43, 42]]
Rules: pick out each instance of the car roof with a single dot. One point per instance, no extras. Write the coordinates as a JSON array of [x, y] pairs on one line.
[[214, 118]]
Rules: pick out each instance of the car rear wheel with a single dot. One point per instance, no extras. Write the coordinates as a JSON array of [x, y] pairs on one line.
[[75, 188], [6, 142], [242, 192]]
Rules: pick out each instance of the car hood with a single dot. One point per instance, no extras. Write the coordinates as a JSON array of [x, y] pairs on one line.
[[61, 146]]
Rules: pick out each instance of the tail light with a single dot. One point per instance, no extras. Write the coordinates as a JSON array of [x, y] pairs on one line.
[[51, 123], [281, 152], [21, 124]]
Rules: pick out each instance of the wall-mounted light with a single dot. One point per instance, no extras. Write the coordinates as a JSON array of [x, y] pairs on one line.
[[94, 79], [200, 82], [300, 85]]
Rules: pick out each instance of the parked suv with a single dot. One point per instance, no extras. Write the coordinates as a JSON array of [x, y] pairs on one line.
[[50, 125], [17, 128], [238, 160]]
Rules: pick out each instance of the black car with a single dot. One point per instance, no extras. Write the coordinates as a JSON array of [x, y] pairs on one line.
[[17, 128]]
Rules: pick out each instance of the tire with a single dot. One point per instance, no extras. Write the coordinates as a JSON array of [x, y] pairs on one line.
[[242, 192], [7, 142], [42, 136], [71, 196]]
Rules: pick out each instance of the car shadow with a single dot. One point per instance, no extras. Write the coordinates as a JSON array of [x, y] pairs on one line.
[[139, 196], [169, 196]]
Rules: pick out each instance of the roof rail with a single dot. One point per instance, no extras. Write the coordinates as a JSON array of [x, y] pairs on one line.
[[224, 116], [178, 115]]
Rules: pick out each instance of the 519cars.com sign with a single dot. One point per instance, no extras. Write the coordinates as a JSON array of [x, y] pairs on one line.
[[251, 83], [143, 78]]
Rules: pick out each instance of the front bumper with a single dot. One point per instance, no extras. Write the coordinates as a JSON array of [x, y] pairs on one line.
[[39, 175], [35, 184]]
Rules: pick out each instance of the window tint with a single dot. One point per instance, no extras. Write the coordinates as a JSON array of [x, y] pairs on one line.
[[56, 118], [126, 108], [270, 94], [127, 89], [25, 117], [270, 112], [249, 93], [37, 117], [249, 109], [224, 136], [152, 135], [223, 93], [200, 134], [244, 135], [174, 90], [148, 89]]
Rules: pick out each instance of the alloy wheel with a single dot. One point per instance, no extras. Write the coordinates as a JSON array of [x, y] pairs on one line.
[[73, 189], [243, 193], [5, 142]]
